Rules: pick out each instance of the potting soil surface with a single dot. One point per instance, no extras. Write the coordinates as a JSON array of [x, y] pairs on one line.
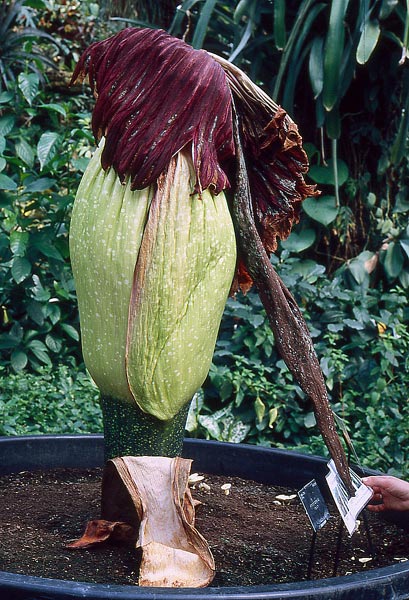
[[255, 537]]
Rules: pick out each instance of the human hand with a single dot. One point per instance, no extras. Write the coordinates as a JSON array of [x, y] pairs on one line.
[[390, 493]]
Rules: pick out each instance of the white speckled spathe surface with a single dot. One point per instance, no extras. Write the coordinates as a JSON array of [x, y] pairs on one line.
[[189, 261]]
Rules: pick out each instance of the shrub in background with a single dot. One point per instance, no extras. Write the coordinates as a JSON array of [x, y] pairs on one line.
[[362, 342], [50, 401]]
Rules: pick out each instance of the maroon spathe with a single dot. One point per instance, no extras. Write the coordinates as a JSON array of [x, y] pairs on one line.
[[155, 95]]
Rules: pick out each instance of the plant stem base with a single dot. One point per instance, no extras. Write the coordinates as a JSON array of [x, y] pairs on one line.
[[130, 432]]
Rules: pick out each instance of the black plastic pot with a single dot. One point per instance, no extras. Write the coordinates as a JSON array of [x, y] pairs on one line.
[[251, 462]]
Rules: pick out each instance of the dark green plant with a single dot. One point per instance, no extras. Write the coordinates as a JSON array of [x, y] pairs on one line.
[[43, 148], [362, 341], [338, 67], [21, 41], [50, 401]]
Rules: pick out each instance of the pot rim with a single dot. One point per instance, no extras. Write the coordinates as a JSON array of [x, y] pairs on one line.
[[385, 582]]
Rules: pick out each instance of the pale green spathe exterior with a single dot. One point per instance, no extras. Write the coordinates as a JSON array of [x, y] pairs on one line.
[[188, 272], [105, 235]]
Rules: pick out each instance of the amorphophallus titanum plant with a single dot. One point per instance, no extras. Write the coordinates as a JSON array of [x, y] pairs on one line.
[[197, 174]]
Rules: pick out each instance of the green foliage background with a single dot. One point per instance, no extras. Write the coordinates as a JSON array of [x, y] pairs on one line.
[[346, 262]]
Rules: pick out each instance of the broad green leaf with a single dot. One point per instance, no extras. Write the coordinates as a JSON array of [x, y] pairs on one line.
[[325, 175], [309, 420], [2, 144], [237, 432], [52, 311], [47, 147], [211, 425], [80, 164], [392, 260], [7, 342], [18, 360], [40, 351], [46, 248], [368, 40], [25, 152], [402, 203], [387, 7], [39, 292], [40, 185], [333, 53], [6, 125], [359, 267], [354, 324], [55, 107], [404, 278], [280, 31], [299, 242], [316, 66], [70, 331], [53, 343], [405, 245], [18, 242], [38, 4], [322, 209], [6, 97], [3, 163], [6, 183], [29, 84], [202, 24], [20, 269], [35, 312]]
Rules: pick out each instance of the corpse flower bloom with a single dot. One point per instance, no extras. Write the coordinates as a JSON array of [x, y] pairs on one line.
[[197, 174]]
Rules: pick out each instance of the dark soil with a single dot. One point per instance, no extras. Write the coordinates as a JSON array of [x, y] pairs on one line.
[[254, 539]]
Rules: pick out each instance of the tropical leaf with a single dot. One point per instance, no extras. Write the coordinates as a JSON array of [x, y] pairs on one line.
[[369, 39], [6, 124], [297, 242], [47, 147], [20, 269], [324, 175], [333, 53], [202, 24], [322, 209], [392, 260], [316, 65], [280, 32], [28, 84], [25, 152], [18, 360], [6, 183]]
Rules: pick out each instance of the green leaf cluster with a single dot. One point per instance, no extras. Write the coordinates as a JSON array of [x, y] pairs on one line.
[[362, 341], [50, 401], [42, 147]]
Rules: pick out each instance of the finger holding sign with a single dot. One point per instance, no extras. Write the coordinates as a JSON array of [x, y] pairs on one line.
[[390, 493]]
